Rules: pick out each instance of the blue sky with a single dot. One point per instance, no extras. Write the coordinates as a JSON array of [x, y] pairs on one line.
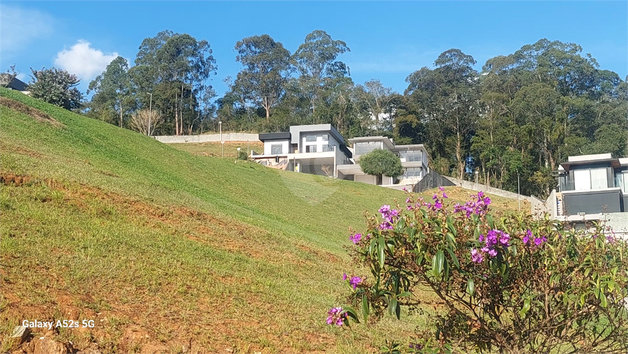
[[388, 40]]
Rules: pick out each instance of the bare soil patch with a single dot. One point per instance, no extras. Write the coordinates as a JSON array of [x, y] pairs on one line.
[[33, 112]]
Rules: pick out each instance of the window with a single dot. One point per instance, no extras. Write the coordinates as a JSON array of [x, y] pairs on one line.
[[276, 149], [412, 172], [325, 137], [328, 147], [594, 178], [621, 181], [366, 147], [310, 148], [410, 156], [310, 138]]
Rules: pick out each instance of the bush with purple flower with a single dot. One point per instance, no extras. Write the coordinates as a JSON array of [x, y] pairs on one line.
[[508, 284]]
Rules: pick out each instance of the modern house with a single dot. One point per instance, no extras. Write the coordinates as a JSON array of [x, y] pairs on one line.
[[319, 149], [591, 187], [13, 83], [316, 149], [414, 160]]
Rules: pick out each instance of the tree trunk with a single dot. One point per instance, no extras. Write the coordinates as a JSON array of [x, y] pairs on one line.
[[176, 114], [120, 114], [461, 162]]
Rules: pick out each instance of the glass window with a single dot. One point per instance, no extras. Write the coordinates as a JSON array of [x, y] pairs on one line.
[[598, 178], [276, 149], [310, 148], [325, 137], [328, 147], [410, 156], [310, 138], [366, 147], [412, 172], [582, 180]]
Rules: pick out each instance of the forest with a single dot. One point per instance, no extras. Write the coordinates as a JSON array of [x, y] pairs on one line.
[[517, 118]]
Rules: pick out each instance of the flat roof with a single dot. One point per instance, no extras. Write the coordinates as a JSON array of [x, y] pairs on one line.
[[592, 159], [274, 136], [361, 139]]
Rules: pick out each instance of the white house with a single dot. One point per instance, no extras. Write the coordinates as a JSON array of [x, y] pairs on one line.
[[319, 149]]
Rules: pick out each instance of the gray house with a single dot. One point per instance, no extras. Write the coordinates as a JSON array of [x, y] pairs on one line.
[[591, 187], [320, 149], [13, 83]]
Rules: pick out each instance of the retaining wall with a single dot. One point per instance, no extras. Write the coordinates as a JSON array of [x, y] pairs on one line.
[[181, 139]]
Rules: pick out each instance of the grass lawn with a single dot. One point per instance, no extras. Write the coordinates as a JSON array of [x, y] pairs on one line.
[[170, 251]]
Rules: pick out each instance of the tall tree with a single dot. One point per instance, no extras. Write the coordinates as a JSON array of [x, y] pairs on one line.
[[448, 97], [112, 92], [316, 62], [175, 68], [266, 68], [56, 86]]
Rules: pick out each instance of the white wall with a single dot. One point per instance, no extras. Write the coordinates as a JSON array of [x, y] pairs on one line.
[[319, 141], [285, 146]]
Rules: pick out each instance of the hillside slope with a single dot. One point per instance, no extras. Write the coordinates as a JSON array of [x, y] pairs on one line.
[[167, 251]]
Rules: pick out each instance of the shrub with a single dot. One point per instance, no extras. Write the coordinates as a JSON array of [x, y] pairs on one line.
[[381, 162], [512, 285]]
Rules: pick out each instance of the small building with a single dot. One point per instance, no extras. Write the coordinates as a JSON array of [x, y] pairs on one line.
[[591, 187], [320, 149], [13, 83], [414, 160], [316, 149]]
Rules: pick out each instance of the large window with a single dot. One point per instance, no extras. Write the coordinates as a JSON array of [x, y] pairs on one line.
[[328, 147], [310, 138], [621, 181], [276, 149], [310, 148], [412, 172], [594, 178], [366, 147], [325, 137], [410, 156]]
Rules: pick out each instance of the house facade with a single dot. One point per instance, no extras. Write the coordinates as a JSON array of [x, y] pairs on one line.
[[590, 187], [316, 149], [320, 149], [414, 160]]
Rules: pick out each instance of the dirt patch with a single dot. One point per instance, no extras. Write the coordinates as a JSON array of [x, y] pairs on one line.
[[9, 179], [33, 112]]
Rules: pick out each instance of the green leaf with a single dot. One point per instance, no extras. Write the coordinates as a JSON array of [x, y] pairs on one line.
[[454, 259], [405, 294], [438, 263], [603, 300], [382, 253], [525, 308], [351, 313], [392, 306], [470, 287], [365, 308]]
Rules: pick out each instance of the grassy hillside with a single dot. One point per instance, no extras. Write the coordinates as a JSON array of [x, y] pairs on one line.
[[169, 251]]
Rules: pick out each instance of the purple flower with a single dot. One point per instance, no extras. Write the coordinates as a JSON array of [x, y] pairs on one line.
[[441, 188], [492, 252], [481, 238], [539, 240], [435, 197], [476, 256], [344, 276], [504, 239], [408, 201], [438, 205], [480, 194], [527, 237], [385, 226], [445, 195], [336, 316], [354, 281], [394, 213], [384, 210], [356, 238]]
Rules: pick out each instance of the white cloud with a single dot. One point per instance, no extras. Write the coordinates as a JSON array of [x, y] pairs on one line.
[[19, 27], [83, 60]]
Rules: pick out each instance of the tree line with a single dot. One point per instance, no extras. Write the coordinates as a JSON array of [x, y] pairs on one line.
[[517, 118]]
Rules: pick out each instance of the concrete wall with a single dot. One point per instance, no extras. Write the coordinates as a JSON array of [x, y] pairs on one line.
[[178, 139]]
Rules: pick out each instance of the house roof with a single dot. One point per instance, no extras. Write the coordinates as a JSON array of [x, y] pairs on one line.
[[274, 136], [592, 159], [410, 147], [12, 83], [296, 131]]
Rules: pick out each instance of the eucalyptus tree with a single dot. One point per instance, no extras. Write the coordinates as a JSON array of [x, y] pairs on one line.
[[448, 98], [319, 70], [112, 98], [266, 66], [175, 69]]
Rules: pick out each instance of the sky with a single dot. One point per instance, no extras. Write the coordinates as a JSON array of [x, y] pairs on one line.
[[388, 40]]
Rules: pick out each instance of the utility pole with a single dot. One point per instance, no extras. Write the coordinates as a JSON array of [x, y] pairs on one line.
[[150, 112]]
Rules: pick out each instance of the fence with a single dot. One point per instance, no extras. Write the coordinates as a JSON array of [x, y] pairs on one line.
[[181, 139]]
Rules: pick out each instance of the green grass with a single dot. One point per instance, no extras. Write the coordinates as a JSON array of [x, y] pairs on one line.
[[164, 249]]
